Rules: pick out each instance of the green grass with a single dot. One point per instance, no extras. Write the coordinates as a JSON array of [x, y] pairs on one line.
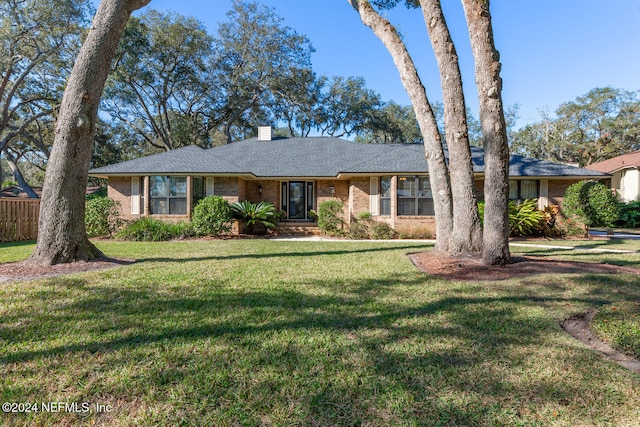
[[308, 333], [619, 325]]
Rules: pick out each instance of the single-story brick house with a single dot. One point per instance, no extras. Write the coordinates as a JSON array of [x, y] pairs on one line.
[[297, 174], [625, 171]]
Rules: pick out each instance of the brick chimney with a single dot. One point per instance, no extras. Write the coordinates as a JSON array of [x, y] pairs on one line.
[[264, 133]]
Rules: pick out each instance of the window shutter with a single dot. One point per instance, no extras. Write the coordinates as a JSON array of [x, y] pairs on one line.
[[374, 197], [135, 195], [210, 187]]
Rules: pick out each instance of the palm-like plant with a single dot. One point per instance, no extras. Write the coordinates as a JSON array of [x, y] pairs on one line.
[[251, 214]]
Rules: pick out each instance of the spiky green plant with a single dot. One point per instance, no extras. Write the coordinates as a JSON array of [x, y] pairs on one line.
[[253, 214]]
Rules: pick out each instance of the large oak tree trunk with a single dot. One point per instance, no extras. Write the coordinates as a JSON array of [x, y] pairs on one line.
[[434, 152], [61, 231], [495, 249], [467, 230]]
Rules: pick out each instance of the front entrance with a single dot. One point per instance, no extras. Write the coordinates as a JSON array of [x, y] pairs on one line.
[[297, 199]]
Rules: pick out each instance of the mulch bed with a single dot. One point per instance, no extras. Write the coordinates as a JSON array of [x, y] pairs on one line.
[[24, 270], [468, 267]]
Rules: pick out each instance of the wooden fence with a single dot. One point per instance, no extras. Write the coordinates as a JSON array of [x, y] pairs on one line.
[[18, 219]]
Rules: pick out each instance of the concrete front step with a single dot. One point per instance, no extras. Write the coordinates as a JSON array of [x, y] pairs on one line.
[[297, 229]]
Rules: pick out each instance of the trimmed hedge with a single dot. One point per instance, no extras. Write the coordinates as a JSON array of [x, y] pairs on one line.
[[591, 203]]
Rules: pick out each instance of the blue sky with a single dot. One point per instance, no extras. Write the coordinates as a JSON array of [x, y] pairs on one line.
[[552, 50]]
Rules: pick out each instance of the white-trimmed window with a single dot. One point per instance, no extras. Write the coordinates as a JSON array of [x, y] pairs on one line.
[[524, 189], [415, 196], [168, 195], [385, 195]]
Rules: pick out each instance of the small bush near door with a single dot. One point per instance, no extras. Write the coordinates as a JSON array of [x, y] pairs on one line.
[[262, 214], [330, 217]]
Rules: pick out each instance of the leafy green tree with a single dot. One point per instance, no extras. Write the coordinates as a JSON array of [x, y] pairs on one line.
[[546, 140], [347, 107], [38, 44], [298, 106], [602, 124], [161, 86], [257, 60], [391, 124], [596, 126]]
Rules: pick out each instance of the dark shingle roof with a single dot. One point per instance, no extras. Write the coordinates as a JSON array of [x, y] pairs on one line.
[[313, 157]]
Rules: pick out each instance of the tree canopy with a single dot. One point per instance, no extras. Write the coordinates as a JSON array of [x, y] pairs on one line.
[[603, 123]]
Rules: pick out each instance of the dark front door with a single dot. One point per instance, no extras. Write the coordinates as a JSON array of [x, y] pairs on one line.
[[297, 200]]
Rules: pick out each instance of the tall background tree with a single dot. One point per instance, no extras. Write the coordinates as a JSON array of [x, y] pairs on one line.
[[603, 123], [61, 230], [161, 86], [257, 59], [38, 42]]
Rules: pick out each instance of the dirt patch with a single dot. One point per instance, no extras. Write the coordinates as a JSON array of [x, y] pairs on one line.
[[469, 267], [24, 270], [580, 328]]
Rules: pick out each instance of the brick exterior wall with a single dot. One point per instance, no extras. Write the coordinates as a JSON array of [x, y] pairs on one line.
[[557, 188], [232, 189], [119, 189], [323, 193], [270, 192], [359, 193], [354, 194]]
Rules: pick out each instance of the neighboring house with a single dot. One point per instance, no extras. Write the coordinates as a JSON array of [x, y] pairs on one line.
[[625, 171], [297, 174]]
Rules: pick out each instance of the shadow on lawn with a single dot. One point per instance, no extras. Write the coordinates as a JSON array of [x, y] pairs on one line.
[[284, 254], [633, 258], [448, 359]]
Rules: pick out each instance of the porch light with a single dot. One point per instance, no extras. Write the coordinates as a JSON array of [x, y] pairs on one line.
[[332, 189], [260, 189]]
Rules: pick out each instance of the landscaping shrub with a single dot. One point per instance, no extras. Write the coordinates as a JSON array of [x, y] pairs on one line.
[[358, 231], [253, 214], [524, 218], [548, 225], [212, 216], [365, 227], [591, 203], [102, 216], [629, 214], [330, 217], [383, 231], [153, 230]]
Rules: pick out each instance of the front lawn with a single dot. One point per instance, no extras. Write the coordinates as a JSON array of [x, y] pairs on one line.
[[307, 333]]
